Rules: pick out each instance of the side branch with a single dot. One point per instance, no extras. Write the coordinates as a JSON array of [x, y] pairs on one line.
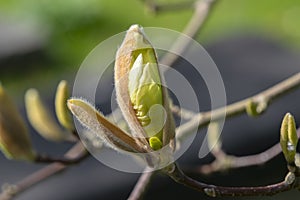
[[197, 21], [155, 7], [291, 181], [224, 161], [141, 186], [77, 151], [262, 99]]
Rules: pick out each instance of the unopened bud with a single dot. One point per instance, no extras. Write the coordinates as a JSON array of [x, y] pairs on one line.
[[95, 122], [62, 112], [14, 138], [41, 119], [288, 138], [140, 94]]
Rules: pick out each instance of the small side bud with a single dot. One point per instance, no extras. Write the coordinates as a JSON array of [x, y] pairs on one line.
[[41, 119], [14, 138], [210, 192], [251, 108], [288, 138], [255, 109], [62, 112]]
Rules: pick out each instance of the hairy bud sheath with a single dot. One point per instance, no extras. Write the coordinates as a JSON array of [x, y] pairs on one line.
[[93, 120], [14, 138], [139, 89]]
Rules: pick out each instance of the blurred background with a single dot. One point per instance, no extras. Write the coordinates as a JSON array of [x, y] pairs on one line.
[[254, 43]]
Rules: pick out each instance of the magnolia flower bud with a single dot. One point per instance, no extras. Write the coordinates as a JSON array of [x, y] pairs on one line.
[[140, 94], [62, 112], [14, 138], [41, 119], [288, 138]]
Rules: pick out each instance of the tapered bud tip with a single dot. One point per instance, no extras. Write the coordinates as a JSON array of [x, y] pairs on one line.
[[73, 102], [134, 27], [63, 83], [288, 137], [70, 104], [31, 93]]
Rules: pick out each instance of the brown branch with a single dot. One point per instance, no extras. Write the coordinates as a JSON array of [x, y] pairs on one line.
[[64, 160], [142, 184], [264, 98], [197, 21], [224, 161], [77, 151], [289, 183], [155, 7], [182, 112]]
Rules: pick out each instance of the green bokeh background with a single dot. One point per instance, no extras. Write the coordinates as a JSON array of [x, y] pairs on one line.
[[76, 26], [72, 28]]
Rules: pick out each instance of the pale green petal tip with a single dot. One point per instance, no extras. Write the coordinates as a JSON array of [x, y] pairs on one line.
[[144, 89], [155, 143]]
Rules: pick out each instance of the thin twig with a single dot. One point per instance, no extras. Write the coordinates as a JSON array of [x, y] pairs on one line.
[[77, 151], [225, 161], [64, 160], [155, 7], [266, 97], [196, 23], [211, 190], [142, 184], [182, 112]]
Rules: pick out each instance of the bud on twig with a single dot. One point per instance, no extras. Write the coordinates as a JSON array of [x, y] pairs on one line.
[[256, 108], [14, 138], [62, 112], [288, 138], [41, 119], [143, 101], [140, 94]]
